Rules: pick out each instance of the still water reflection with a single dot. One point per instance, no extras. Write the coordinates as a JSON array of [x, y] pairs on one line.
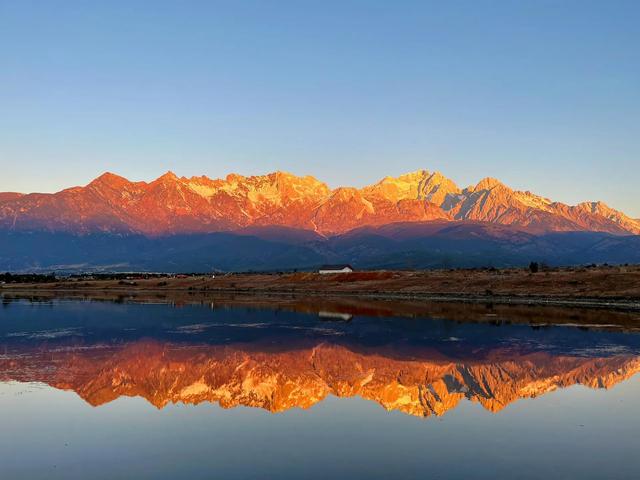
[[80, 380]]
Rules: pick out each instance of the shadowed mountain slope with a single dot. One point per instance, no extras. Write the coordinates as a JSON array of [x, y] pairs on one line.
[[403, 245]]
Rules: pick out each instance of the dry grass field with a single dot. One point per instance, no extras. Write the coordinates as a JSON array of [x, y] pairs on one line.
[[603, 283]]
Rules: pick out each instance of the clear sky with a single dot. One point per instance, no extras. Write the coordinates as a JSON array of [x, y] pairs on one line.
[[544, 95]]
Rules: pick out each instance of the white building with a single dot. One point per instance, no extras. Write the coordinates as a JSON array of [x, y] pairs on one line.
[[344, 268]]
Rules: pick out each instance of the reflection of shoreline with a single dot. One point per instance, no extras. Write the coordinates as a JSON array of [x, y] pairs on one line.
[[532, 300], [488, 312], [254, 376]]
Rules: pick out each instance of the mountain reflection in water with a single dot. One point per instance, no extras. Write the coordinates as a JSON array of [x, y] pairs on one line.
[[278, 360]]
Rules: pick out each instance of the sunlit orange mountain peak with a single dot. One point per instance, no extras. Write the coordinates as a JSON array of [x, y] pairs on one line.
[[172, 204]]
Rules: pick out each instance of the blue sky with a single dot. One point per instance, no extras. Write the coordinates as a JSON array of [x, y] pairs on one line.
[[544, 95]]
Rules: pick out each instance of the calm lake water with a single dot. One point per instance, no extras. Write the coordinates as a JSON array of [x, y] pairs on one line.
[[109, 390]]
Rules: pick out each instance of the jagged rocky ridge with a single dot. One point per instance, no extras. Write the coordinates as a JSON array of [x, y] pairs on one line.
[[179, 205]]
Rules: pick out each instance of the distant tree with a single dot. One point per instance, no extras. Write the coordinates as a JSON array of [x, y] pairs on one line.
[[534, 267]]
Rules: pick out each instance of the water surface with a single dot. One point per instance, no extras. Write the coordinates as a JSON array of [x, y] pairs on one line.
[[157, 390]]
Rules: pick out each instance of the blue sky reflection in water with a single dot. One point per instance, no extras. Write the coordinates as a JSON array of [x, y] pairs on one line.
[[94, 429]]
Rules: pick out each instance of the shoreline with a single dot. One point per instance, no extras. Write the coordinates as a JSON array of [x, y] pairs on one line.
[[608, 303], [598, 288]]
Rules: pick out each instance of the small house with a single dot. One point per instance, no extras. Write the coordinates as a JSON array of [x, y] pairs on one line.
[[343, 268]]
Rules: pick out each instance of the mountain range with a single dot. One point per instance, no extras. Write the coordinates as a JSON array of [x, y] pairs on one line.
[[282, 221], [179, 205]]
